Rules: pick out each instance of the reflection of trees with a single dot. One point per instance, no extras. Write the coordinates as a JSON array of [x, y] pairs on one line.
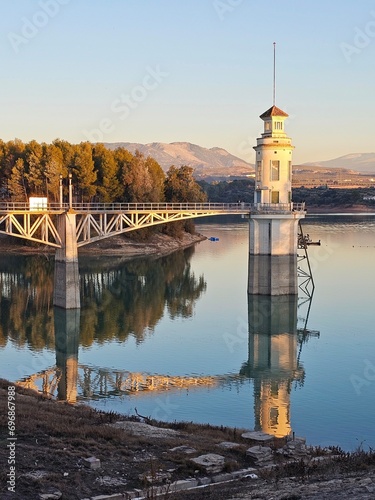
[[135, 298], [126, 300], [26, 312]]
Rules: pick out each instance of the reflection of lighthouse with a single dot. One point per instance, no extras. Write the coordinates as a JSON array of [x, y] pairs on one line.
[[66, 341], [272, 362]]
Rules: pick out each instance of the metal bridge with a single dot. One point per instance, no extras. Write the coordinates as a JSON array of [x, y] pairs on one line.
[[96, 221]]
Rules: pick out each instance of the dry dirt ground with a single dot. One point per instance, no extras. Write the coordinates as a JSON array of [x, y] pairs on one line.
[[54, 441]]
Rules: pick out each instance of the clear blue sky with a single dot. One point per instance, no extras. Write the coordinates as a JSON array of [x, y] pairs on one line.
[[193, 70]]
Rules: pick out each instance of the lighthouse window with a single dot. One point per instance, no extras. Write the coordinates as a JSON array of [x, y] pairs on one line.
[[278, 125], [259, 171], [275, 170], [289, 170], [275, 197], [267, 126]]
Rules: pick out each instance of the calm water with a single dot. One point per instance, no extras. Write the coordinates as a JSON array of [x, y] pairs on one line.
[[178, 338]]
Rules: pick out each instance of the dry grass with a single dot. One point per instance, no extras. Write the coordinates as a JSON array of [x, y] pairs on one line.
[[53, 439]]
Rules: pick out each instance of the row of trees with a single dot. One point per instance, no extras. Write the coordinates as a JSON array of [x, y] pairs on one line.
[[229, 192], [243, 190], [323, 196], [104, 175], [98, 174]]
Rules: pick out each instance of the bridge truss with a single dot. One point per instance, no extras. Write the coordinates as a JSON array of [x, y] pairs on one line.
[[96, 221], [97, 224], [38, 227]]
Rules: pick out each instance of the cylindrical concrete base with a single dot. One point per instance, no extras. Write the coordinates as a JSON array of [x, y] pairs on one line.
[[273, 275]]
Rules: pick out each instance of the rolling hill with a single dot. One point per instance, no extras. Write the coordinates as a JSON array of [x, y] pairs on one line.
[[217, 163], [213, 162], [359, 162]]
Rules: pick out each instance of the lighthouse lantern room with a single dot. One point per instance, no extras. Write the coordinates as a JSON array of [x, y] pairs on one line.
[[274, 148]]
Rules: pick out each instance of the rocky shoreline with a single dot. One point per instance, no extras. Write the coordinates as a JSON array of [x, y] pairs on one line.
[[118, 246], [74, 452]]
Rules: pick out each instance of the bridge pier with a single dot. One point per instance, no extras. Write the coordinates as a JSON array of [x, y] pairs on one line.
[[66, 286]]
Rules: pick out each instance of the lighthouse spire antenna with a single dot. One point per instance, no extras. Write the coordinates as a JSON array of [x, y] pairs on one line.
[[274, 73]]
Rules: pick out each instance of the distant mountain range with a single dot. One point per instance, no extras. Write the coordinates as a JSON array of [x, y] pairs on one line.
[[213, 162], [218, 163], [359, 162]]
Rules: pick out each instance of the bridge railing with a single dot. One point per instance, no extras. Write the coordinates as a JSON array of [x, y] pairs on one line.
[[240, 207], [138, 207], [121, 207]]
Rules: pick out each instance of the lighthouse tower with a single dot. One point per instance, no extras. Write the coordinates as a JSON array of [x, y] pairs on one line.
[[273, 160], [274, 220]]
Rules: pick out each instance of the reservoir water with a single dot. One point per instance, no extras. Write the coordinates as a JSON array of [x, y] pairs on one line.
[[178, 338]]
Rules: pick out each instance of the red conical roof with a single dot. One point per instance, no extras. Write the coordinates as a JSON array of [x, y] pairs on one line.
[[273, 111]]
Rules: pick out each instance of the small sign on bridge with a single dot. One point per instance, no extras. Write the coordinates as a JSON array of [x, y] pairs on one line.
[[38, 203]]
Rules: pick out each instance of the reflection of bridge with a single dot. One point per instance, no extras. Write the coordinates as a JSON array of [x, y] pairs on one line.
[[100, 382], [95, 382]]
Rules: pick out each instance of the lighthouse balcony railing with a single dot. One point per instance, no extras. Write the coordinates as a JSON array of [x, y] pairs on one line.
[[278, 208]]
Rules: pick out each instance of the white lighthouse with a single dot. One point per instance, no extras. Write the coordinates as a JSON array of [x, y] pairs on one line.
[[273, 160], [274, 220]]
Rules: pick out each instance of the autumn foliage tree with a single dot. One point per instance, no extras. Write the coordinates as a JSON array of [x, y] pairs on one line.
[[98, 174], [180, 186], [108, 185]]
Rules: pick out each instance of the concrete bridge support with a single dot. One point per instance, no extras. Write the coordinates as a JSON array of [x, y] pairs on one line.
[[66, 286]]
